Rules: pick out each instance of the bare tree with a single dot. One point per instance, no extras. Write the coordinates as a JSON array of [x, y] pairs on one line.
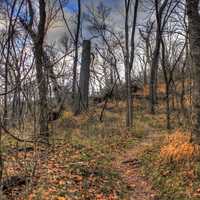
[[38, 50], [1, 158], [159, 9], [169, 66], [75, 39], [194, 40], [129, 56], [82, 101], [76, 42], [146, 36]]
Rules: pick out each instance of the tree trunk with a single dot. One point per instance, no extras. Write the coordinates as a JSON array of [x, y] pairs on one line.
[[129, 99], [56, 87], [82, 103], [153, 74], [145, 75], [43, 91], [129, 58], [194, 40], [159, 8], [41, 75], [168, 106], [76, 50], [1, 159], [167, 83]]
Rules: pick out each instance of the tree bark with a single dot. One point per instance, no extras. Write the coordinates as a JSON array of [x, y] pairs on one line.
[[82, 103], [43, 91], [194, 40], [41, 76], [155, 60], [1, 159], [129, 58], [154, 68], [74, 81]]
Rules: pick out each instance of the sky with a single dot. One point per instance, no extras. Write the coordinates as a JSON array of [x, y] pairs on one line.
[[116, 6], [113, 3], [59, 28]]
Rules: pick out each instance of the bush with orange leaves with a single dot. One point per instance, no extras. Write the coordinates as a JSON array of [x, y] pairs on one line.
[[179, 147], [161, 88]]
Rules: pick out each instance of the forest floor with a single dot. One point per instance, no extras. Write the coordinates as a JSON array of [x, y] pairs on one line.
[[129, 165], [92, 160]]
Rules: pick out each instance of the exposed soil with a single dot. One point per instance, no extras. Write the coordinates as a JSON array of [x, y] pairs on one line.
[[129, 167]]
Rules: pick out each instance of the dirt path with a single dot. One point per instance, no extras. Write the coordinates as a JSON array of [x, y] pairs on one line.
[[129, 167]]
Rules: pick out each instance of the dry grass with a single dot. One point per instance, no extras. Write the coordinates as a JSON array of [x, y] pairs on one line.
[[161, 89], [179, 147]]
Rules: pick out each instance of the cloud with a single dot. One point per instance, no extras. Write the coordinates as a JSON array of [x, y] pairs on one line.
[[116, 17], [59, 28]]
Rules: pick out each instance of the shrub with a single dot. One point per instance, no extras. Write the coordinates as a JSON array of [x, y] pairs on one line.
[[67, 120], [178, 147]]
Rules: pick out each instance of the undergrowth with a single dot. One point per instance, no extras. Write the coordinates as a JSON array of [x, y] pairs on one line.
[[173, 166]]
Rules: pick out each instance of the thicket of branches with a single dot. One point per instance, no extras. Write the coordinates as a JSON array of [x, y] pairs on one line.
[[104, 54]]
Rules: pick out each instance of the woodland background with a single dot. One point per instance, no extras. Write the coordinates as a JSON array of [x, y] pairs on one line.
[[100, 99]]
